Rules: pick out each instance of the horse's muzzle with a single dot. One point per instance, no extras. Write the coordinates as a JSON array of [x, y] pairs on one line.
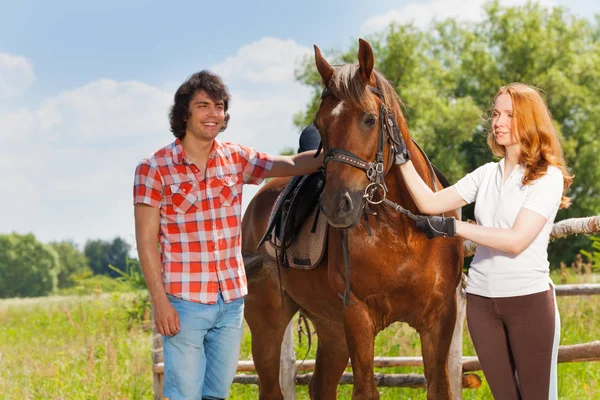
[[341, 208]]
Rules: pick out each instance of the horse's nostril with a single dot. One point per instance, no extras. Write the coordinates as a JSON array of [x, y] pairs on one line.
[[346, 203]]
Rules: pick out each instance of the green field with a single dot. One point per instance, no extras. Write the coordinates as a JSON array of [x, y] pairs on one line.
[[84, 348]]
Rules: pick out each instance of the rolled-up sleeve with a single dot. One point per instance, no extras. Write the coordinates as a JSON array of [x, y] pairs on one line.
[[255, 165], [147, 186]]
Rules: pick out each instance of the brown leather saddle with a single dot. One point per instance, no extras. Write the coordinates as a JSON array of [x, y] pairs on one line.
[[296, 235]]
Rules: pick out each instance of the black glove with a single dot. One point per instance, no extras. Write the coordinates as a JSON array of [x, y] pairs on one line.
[[401, 154], [435, 226]]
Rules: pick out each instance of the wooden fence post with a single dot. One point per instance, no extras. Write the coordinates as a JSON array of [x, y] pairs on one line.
[[157, 357], [287, 364], [455, 356]]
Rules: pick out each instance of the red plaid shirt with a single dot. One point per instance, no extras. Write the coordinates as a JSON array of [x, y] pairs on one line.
[[200, 217]]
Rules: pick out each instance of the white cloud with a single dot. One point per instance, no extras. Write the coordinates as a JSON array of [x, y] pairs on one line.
[[105, 110], [266, 61], [16, 75], [71, 160], [421, 14], [265, 94], [16, 126]]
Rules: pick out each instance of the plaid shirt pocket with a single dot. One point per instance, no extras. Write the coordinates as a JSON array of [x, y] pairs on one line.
[[228, 194], [184, 197]]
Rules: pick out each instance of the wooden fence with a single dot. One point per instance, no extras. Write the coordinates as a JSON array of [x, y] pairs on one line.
[[460, 367]]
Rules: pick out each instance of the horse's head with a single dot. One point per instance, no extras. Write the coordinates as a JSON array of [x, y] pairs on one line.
[[358, 133]]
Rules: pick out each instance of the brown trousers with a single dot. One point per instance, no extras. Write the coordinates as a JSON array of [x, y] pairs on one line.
[[514, 338]]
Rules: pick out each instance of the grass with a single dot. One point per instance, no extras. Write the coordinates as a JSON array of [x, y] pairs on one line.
[[83, 347]]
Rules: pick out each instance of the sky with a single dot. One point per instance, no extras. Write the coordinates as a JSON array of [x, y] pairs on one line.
[[85, 88]]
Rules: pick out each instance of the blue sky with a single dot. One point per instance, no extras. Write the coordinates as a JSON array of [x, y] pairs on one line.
[[85, 87]]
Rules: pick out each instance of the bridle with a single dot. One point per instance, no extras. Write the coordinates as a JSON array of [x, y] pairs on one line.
[[388, 132]]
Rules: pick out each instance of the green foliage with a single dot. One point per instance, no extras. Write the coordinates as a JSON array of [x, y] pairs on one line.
[[593, 256], [287, 151], [138, 310], [448, 74], [28, 268], [102, 253], [74, 348], [87, 283], [71, 262]]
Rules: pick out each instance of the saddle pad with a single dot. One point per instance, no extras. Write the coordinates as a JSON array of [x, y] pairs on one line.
[[308, 248]]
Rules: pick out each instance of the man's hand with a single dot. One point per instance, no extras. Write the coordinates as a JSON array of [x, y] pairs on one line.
[[166, 318], [435, 226]]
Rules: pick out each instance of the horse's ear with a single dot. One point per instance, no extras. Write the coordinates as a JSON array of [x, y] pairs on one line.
[[365, 59], [324, 68]]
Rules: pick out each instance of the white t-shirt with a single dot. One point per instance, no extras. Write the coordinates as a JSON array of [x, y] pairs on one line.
[[495, 273]]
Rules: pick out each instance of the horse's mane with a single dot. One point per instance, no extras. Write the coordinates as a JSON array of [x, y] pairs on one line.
[[348, 84]]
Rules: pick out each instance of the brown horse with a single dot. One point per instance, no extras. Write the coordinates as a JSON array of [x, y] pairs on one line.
[[397, 274]]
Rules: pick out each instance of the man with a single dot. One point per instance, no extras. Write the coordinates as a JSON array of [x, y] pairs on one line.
[[187, 197]]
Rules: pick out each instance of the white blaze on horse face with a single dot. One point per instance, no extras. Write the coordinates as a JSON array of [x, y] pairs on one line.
[[337, 111]]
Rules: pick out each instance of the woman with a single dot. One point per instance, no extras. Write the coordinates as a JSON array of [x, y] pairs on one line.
[[511, 306]]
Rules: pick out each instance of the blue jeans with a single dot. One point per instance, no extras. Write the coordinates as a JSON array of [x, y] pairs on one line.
[[201, 360]]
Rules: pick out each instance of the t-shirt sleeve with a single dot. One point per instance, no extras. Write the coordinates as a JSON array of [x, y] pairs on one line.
[[255, 165], [147, 186], [468, 186], [545, 193]]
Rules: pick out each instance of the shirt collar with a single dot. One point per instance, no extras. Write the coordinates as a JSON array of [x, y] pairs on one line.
[[179, 152], [500, 176]]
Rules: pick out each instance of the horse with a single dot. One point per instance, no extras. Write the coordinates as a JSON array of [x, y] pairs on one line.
[[396, 274]]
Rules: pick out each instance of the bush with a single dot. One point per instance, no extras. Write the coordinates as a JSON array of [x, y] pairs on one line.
[[28, 268]]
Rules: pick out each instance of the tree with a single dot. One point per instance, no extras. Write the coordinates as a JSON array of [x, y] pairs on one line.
[[447, 75], [28, 268], [71, 262], [101, 254]]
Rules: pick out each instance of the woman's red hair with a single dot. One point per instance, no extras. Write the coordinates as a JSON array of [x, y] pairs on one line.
[[532, 127]]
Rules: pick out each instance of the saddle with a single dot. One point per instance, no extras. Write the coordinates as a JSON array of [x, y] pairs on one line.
[[296, 236]]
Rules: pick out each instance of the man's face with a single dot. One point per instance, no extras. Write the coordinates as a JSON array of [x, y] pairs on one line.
[[206, 116]]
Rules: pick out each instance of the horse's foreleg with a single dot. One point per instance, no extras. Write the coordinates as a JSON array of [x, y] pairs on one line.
[[268, 321], [360, 334], [332, 359], [436, 338]]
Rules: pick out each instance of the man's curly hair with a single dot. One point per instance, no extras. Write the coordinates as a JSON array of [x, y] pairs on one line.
[[203, 80]]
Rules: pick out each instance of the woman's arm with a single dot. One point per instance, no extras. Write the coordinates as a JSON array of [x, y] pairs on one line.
[[527, 226], [514, 240], [427, 201]]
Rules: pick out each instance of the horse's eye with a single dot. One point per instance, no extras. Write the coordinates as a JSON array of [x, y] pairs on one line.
[[371, 120]]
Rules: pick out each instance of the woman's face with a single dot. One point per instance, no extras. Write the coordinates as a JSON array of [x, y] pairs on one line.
[[502, 121]]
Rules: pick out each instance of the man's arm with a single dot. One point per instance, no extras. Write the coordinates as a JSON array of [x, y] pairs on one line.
[[147, 223], [298, 164]]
